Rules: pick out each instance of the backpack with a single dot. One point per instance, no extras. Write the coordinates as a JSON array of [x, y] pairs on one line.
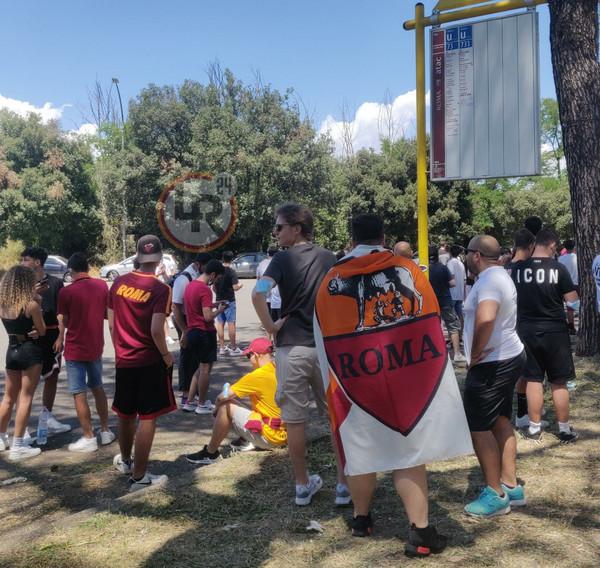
[[171, 281]]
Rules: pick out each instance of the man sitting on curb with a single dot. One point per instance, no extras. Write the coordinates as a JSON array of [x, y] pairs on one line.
[[262, 426]]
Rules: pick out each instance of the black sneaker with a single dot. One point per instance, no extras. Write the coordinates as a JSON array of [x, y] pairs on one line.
[[525, 433], [361, 525], [241, 445], [423, 542], [569, 438], [204, 457]]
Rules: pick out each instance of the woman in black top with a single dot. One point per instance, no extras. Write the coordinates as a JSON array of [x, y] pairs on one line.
[[22, 317]]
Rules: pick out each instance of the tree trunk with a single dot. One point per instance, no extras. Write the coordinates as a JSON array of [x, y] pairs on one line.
[[574, 47]]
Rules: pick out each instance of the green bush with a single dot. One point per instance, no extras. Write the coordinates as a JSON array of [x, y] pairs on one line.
[[10, 253]]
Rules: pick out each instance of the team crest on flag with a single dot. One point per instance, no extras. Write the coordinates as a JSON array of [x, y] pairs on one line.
[[392, 394]]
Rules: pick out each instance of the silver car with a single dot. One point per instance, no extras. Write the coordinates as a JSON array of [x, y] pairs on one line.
[[245, 264], [111, 271]]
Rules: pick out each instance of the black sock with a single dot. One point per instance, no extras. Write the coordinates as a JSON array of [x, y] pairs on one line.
[[521, 405], [507, 486]]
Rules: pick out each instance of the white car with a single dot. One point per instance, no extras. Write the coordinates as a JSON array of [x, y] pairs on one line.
[[111, 271]]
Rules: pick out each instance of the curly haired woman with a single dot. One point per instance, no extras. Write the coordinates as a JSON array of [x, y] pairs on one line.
[[22, 317]]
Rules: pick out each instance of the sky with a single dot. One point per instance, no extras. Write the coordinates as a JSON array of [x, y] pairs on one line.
[[334, 54]]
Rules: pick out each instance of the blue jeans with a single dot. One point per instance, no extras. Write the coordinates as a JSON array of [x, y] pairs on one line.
[[77, 372]]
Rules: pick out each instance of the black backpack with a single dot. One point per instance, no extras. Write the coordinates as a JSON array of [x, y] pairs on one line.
[[171, 281]]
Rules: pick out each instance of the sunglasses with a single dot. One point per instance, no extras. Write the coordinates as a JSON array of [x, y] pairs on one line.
[[277, 228], [249, 355], [482, 254]]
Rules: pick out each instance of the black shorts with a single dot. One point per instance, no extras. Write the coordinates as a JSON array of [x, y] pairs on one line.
[[203, 346], [550, 353], [20, 356], [144, 391], [52, 361], [275, 313], [489, 391]]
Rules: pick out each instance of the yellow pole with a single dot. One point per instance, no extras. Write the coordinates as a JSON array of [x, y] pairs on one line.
[[421, 139], [473, 12]]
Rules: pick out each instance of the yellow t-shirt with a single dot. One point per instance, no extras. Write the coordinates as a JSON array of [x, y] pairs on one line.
[[260, 386]]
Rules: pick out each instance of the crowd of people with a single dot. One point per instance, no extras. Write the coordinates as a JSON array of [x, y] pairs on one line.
[[359, 333]]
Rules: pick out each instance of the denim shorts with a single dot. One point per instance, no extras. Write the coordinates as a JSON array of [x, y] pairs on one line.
[[77, 372], [228, 315]]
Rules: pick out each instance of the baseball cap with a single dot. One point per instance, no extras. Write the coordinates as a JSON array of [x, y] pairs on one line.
[[260, 345], [149, 249]]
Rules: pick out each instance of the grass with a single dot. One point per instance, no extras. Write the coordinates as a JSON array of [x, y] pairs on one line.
[[240, 512]]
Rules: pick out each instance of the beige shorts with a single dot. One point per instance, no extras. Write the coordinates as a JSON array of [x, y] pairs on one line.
[[298, 371], [240, 416]]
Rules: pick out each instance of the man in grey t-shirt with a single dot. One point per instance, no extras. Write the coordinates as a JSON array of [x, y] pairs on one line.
[[298, 272]]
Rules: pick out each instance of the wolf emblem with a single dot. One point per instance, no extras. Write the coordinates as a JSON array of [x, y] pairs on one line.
[[365, 287]]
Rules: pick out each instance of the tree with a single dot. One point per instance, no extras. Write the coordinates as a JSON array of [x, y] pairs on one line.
[[551, 136], [574, 48]]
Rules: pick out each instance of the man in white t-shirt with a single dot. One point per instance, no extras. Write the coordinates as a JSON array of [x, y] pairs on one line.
[[185, 277], [496, 357], [459, 275], [569, 260]]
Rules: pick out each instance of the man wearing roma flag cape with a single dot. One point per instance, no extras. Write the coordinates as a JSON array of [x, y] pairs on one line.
[[392, 394]]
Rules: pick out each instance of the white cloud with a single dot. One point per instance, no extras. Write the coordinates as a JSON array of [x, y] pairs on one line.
[[372, 121], [23, 108], [87, 129]]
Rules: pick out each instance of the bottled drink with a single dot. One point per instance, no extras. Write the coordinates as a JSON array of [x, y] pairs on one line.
[[226, 390], [42, 433]]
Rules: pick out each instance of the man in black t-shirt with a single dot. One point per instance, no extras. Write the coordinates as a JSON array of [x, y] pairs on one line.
[[441, 281], [225, 290], [543, 285], [298, 272], [48, 288]]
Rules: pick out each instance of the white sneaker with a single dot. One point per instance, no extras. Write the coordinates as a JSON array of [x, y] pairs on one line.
[[106, 437], [170, 340], [206, 408], [124, 466], [235, 352], [147, 481], [223, 351], [459, 358], [189, 406], [4, 445], [56, 427], [523, 422], [27, 439], [23, 452], [304, 493], [170, 324], [84, 445]]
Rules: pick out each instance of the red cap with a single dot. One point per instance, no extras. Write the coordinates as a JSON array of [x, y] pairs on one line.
[[260, 346]]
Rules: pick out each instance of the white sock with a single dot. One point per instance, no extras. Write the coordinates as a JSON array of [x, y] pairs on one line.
[[534, 427], [564, 427], [17, 442]]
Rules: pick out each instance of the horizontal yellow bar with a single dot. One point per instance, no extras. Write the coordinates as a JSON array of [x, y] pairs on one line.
[[444, 5], [474, 12]]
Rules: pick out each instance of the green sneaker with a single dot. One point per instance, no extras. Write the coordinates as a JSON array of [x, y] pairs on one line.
[[489, 504], [516, 495]]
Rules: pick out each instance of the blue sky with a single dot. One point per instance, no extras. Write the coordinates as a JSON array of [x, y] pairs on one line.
[[328, 51]]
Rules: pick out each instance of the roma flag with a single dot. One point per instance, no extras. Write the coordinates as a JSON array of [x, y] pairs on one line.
[[392, 393]]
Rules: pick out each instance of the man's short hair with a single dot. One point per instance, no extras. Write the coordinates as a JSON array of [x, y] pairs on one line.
[[367, 228], [533, 223], [272, 250], [524, 238], [546, 237], [215, 266], [227, 256], [296, 214], [455, 250], [37, 253], [78, 262], [569, 244], [434, 254], [203, 257]]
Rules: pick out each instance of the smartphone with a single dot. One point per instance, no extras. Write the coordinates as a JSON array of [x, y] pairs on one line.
[[44, 280]]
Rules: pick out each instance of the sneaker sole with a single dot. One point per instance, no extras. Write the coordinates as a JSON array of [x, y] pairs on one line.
[[504, 511], [203, 411], [205, 461], [59, 430], [306, 500], [83, 451], [518, 502], [413, 551], [21, 457]]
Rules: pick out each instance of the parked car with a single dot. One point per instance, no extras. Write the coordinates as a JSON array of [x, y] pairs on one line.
[[245, 264], [111, 271], [57, 266]]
